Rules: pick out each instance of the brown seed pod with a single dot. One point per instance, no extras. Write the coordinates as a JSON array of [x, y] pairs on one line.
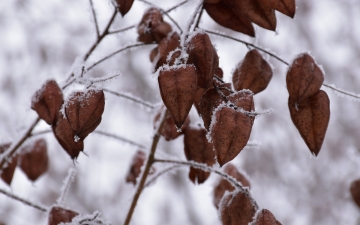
[[265, 217], [83, 113], [260, 13], [230, 131], [178, 88], [237, 208], [286, 7], [223, 13], [203, 55], [355, 191], [124, 6], [169, 130], [8, 172], [198, 149], [33, 159], [311, 117], [47, 101], [135, 168], [304, 78], [210, 100], [253, 73], [224, 185], [152, 27], [59, 215]]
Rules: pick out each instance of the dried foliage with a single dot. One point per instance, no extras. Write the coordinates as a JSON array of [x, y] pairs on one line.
[[59, 215], [265, 217], [124, 6], [198, 149], [355, 191], [8, 172]]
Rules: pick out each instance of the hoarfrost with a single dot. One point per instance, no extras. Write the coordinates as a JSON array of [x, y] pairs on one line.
[[213, 121], [76, 138], [342, 93], [66, 186], [92, 219]]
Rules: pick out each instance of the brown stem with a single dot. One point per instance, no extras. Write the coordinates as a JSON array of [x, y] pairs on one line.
[[26, 202], [95, 19], [148, 165]]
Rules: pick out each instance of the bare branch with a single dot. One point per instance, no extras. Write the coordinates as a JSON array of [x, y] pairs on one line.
[[66, 185], [132, 98], [122, 29], [95, 19], [118, 138], [162, 173], [342, 92], [26, 202]]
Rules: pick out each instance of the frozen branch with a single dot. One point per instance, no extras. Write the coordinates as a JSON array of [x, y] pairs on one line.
[[95, 19], [26, 202], [162, 173], [131, 98], [66, 186]]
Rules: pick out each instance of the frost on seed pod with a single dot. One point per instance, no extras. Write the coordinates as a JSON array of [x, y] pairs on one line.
[[59, 215], [169, 130], [355, 191], [230, 131], [8, 172], [304, 78], [33, 159], [47, 101], [177, 88], [237, 208], [223, 13], [224, 185], [311, 117], [83, 111], [198, 149], [124, 6], [203, 55], [210, 100], [253, 73], [265, 217], [152, 27]]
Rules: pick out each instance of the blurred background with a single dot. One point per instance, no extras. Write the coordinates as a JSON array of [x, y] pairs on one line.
[[42, 40]]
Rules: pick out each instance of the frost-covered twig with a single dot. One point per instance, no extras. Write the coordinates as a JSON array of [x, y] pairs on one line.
[[114, 53], [163, 12], [26, 202], [190, 23], [122, 29], [92, 219], [90, 81], [95, 19], [162, 173], [7, 155], [247, 44], [129, 97], [342, 92], [206, 168], [66, 186], [199, 17], [149, 162]]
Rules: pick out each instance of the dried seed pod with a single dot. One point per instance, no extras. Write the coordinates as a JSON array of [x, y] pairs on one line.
[[237, 208], [135, 168], [245, 101], [169, 130], [304, 78], [33, 159], [355, 191], [311, 117], [224, 185], [253, 73], [8, 172], [59, 215], [166, 45], [124, 6], [286, 7], [203, 55], [230, 131], [265, 217], [223, 14], [82, 115], [210, 100], [152, 27], [198, 149], [47, 101], [257, 12], [178, 88]]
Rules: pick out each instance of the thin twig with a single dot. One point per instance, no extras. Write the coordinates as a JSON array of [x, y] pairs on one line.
[[132, 98], [161, 173], [91, 81], [66, 186], [95, 19], [163, 12], [248, 44], [199, 17], [342, 91], [176, 6], [114, 53], [26, 202], [122, 29], [150, 161], [7, 155], [207, 168]]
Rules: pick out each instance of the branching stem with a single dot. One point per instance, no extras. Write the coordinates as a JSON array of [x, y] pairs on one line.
[[26, 202], [95, 19], [150, 161]]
